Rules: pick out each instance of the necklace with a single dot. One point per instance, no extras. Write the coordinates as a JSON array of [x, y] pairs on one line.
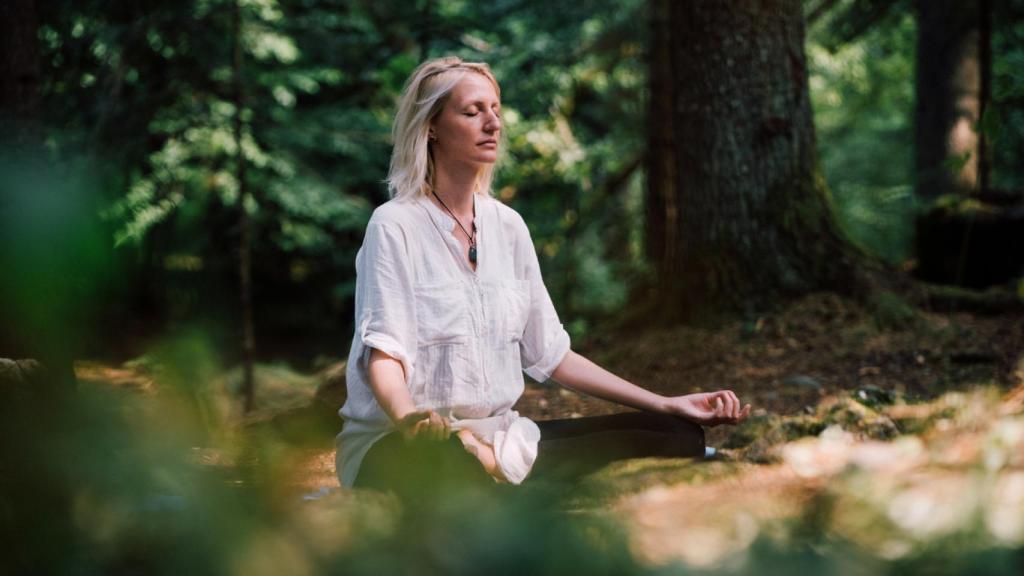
[[472, 237]]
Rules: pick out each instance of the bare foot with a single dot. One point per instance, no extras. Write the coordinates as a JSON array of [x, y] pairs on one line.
[[483, 453]]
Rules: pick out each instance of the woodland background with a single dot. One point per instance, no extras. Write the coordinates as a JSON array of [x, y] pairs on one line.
[[818, 203]]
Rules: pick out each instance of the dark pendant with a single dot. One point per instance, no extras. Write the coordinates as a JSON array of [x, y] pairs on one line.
[[472, 254]]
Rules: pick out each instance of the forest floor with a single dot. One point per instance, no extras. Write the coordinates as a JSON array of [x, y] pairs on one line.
[[892, 429]]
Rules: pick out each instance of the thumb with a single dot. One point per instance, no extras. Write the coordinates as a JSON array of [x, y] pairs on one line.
[[412, 418]]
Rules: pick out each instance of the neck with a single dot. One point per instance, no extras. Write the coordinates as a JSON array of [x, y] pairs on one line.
[[455, 187]]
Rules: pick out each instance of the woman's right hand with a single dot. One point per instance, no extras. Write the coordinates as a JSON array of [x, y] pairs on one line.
[[426, 424]]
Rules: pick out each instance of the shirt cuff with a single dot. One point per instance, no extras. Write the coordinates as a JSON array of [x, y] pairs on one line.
[[541, 371], [389, 346]]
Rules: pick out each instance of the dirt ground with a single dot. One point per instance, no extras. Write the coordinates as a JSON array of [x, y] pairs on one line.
[[882, 413], [786, 363]]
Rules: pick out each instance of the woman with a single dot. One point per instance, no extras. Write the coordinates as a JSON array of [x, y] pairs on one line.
[[451, 309]]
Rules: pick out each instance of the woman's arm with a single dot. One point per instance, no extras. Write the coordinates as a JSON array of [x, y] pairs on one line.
[[578, 373], [387, 380]]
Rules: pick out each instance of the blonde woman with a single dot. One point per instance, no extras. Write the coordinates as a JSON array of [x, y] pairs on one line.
[[451, 309]]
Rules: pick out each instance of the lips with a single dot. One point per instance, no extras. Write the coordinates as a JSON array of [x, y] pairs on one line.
[[489, 141]]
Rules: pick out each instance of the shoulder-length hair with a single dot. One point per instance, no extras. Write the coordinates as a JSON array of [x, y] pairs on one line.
[[425, 93]]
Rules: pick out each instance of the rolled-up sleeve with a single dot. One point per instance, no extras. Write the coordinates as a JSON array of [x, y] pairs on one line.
[[385, 307], [545, 341]]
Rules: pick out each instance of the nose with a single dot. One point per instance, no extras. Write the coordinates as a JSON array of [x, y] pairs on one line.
[[493, 123]]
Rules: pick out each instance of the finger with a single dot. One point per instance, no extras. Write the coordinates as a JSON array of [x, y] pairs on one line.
[[745, 412], [441, 427], [736, 404], [719, 415], [729, 405], [726, 405], [412, 418], [435, 426], [417, 429]]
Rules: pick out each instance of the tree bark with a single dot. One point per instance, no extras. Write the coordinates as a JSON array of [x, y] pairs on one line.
[[948, 92], [244, 242], [756, 224], [662, 214]]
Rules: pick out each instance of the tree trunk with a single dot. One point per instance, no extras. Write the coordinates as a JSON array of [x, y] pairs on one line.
[[244, 242], [662, 214], [756, 224], [962, 244], [948, 86]]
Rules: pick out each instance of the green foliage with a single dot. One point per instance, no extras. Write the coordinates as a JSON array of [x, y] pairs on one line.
[[156, 95], [113, 481], [863, 95], [152, 96], [861, 55], [53, 251], [1004, 120]]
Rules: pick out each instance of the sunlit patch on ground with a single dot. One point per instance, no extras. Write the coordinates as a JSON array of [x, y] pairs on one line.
[[896, 442]]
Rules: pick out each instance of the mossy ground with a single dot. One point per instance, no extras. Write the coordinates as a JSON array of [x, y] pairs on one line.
[[895, 431]]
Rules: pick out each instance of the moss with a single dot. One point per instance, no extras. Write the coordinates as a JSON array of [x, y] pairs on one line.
[[915, 424], [632, 476], [754, 428], [801, 426], [891, 312]]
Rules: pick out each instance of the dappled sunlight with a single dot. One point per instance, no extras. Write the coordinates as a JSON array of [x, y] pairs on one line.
[[184, 191], [708, 523], [887, 473], [892, 499]]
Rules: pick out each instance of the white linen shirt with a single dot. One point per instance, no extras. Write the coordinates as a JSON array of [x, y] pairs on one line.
[[464, 337]]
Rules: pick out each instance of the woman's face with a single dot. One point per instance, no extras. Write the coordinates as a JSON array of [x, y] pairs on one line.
[[467, 128]]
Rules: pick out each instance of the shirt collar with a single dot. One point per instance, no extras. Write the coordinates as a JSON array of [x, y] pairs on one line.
[[443, 219]]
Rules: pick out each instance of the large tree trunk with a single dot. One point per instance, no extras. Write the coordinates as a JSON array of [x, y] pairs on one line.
[[755, 223], [948, 103], [661, 212]]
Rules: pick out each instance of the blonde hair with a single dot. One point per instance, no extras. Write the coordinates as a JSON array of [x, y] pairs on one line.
[[412, 165]]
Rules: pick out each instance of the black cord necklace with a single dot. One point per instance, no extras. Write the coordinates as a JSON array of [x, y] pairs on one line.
[[472, 237]]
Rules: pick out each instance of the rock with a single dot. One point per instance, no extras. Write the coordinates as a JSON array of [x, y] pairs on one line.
[[802, 381], [873, 396], [20, 377]]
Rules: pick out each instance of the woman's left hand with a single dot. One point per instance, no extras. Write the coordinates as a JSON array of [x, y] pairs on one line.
[[709, 408]]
